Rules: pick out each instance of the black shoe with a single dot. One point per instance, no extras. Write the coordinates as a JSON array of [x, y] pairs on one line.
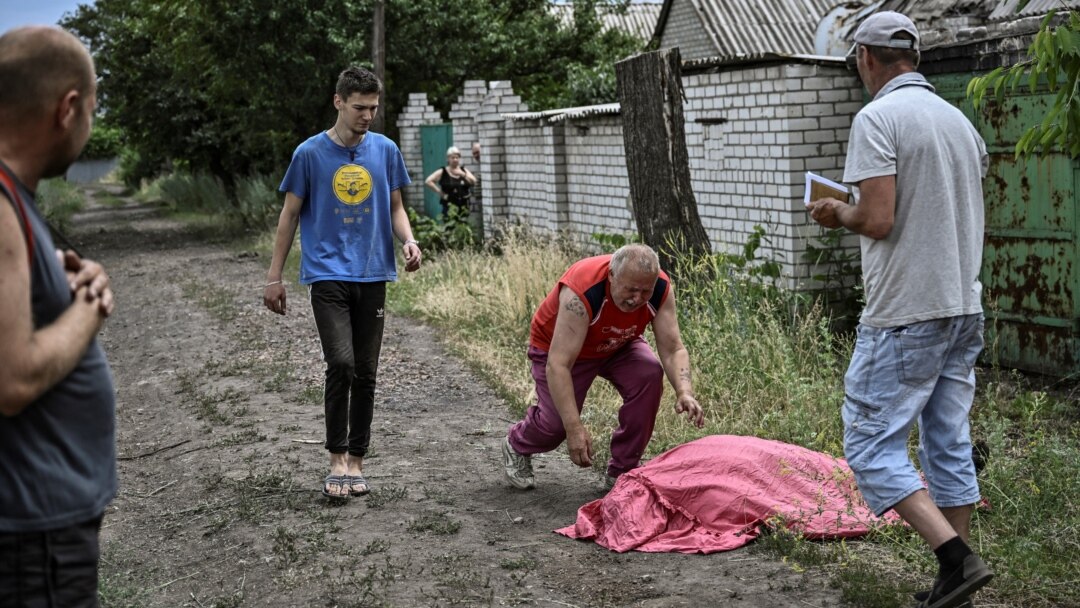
[[955, 588]]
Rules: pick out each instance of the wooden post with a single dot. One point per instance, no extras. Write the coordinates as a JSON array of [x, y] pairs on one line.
[[378, 58], [651, 97]]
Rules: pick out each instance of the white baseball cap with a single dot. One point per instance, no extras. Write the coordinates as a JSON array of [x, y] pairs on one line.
[[878, 30]]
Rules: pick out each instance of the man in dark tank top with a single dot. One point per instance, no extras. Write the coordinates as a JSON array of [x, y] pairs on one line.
[[57, 407]]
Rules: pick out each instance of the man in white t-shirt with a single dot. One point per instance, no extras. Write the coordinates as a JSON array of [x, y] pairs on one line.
[[917, 164]]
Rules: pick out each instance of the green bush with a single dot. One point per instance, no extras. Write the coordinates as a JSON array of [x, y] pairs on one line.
[[104, 143], [451, 233], [258, 202], [135, 169], [254, 205]]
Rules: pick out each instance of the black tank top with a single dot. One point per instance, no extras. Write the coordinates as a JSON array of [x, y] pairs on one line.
[[456, 189]]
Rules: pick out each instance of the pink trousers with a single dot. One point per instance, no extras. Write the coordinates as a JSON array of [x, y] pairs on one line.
[[635, 373]]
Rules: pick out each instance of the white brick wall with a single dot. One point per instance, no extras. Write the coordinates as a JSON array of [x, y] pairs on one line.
[[777, 122], [492, 127], [532, 158], [752, 132], [597, 185], [463, 114]]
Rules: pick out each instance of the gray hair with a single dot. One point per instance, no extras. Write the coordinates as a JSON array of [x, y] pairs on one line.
[[453, 150], [641, 258]]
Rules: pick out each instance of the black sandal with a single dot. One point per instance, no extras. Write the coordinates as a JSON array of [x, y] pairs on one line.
[[352, 481], [341, 481]]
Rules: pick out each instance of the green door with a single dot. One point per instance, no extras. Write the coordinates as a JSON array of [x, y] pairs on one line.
[[1029, 271], [434, 140]]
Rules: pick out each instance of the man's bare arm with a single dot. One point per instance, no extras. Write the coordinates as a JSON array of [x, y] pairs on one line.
[[571, 325], [33, 361], [676, 360]]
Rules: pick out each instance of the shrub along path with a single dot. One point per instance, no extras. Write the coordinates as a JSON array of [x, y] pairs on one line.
[[219, 433]]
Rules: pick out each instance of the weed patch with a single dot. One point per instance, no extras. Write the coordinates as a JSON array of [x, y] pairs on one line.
[[436, 523], [380, 497]]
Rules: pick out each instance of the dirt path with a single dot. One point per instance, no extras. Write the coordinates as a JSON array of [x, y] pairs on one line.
[[220, 427]]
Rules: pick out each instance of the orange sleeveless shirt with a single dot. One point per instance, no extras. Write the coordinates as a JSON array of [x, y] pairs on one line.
[[609, 328]]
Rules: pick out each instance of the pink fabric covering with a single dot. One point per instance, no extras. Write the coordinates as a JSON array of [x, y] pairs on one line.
[[713, 494]]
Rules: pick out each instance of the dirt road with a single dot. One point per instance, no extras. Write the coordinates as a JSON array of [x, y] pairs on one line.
[[220, 427]]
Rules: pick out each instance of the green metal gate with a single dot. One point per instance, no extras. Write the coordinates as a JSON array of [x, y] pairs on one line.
[[1029, 272], [434, 140]]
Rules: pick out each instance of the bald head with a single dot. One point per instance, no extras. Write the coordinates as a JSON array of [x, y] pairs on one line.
[[38, 66]]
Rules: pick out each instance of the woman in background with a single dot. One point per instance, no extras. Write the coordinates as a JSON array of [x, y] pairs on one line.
[[452, 183]]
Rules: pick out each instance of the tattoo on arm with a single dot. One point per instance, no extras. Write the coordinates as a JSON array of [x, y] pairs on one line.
[[575, 306], [684, 376]]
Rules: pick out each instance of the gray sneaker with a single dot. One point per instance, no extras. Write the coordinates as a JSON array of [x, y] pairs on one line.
[[518, 467], [609, 481]]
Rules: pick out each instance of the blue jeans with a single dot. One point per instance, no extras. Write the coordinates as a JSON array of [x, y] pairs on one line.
[[924, 373], [350, 320]]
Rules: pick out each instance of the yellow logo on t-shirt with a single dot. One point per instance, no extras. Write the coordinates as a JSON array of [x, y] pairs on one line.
[[352, 184]]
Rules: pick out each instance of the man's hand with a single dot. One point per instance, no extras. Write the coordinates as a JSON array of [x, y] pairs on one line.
[[89, 274], [412, 257], [694, 413], [824, 211], [579, 444], [274, 297]]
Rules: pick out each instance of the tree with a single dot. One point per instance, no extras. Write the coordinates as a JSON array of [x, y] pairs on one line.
[[654, 136], [224, 86], [1053, 59], [231, 87]]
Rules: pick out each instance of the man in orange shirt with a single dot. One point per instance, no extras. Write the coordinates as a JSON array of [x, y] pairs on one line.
[[591, 325]]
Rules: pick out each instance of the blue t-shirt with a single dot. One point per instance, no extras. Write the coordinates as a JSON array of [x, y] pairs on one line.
[[345, 224], [58, 456]]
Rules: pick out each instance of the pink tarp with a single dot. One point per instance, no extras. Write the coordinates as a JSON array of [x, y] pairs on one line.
[[713, 494]]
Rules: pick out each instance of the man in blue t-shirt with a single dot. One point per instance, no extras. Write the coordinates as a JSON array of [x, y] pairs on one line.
[[57, 404], [343, 188]]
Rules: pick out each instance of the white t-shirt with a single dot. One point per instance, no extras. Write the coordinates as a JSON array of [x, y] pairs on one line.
[[928, 266]]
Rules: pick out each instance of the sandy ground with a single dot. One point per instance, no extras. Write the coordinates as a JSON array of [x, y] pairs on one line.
[[220, 431]]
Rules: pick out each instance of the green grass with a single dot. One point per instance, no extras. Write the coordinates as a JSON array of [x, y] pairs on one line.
[[380, 497], [58, 200], [438, 524], [766, 364]]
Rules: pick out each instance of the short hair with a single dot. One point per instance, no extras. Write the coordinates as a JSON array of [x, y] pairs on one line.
[[38, 64], [640, 258], [886, 55], [357, 80], [453, 150]]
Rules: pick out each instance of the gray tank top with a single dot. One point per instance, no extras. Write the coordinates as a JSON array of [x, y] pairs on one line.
[[58, 456]]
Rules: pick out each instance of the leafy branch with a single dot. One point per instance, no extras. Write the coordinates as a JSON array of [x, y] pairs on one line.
[[1053, 58]]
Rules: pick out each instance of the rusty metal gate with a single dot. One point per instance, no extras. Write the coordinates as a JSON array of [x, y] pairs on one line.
[[1028, 274]]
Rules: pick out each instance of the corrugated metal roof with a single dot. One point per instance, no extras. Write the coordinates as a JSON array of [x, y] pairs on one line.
[[1006, 10], [565, 113], [927, 12], [639, 18], [743, 27]]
